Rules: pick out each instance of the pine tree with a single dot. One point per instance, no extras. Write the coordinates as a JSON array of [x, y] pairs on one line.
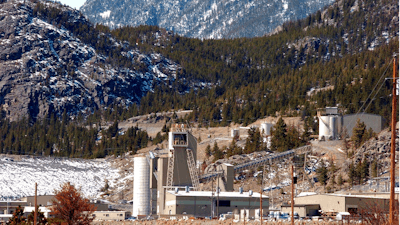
[[305, 136], [340, 180], [253, 141], [352, 173], [278, 140], [218, 154], [359, 134], [208, 151], [293, 138], [363, 170], [322, 174]]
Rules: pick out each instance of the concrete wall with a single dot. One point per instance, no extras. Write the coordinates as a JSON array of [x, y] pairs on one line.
[[226, 183], [326, 202], [162, 181], [370, 120]]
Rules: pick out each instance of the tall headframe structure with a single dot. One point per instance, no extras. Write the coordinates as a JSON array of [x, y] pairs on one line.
[[182, 155]]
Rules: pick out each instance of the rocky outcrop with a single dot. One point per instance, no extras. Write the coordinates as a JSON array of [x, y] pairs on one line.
[[206, 19], [46, 68], [377, 148]]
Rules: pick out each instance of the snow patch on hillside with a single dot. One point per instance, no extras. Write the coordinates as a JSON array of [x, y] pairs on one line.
[[105, 14], [18, 176]]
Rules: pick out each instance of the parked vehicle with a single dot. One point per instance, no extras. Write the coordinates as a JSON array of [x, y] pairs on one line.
[[226, 216], [132, 218]]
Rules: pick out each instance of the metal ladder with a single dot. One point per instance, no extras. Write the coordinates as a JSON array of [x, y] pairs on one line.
[[170, 170], [192, 169]]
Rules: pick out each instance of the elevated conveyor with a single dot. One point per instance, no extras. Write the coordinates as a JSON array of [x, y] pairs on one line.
[[260, 162]]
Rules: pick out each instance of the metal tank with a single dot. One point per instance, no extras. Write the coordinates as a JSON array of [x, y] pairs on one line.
[[266, 128], [333, 126], [141, 187], [324, 130]]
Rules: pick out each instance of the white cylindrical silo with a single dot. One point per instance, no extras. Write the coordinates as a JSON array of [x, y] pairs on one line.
[[141, 187], [266, 128], [324, 127], [332, 127]]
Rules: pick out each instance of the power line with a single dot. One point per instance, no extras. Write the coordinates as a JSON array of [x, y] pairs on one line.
[[359, 110]]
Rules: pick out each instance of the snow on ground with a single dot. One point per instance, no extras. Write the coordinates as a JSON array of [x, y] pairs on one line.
[[105, 14], [19, 174]]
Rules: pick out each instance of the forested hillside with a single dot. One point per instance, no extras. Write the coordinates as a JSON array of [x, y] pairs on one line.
[[344, 49], [206, 19], [334, 57]]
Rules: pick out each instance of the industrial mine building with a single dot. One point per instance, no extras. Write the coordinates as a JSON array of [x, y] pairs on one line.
[[311, 204], [333, 124], [166, 183]]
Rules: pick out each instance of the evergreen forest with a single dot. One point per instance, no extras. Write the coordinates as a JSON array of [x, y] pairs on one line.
[[338, 56]]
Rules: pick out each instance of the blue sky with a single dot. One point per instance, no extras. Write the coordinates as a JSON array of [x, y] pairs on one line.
[[73, 3]]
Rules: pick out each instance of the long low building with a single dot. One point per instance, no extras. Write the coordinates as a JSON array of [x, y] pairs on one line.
[[7, 208], [204, 203], [344, 203], [111, 215], [302, 210]]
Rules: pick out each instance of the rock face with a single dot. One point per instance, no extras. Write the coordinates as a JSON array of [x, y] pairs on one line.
[[377, 149], [46, 68], [202, 18]]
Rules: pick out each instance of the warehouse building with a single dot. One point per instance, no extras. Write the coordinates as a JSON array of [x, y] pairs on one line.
[[204, 203], [344, 203], [111, 215]]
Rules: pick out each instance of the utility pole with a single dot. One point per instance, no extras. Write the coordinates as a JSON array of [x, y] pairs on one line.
[[212, 199], [393, 149], [218, 198], [292, 201], [261, 191], [35, 214], [261, 205]]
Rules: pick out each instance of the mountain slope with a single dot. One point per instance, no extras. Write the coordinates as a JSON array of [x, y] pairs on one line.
[[49, 65], [19, 174], [344, 49], [202, 19]]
